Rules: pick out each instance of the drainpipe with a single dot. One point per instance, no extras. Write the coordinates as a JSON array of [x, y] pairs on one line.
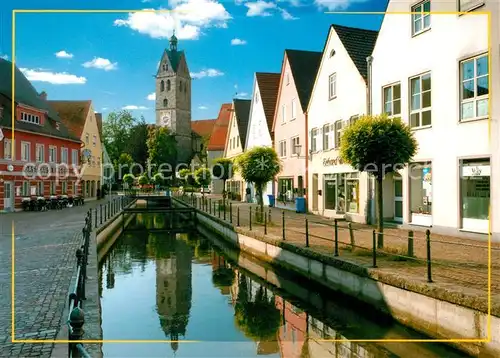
[[307, 162], [371, 180]]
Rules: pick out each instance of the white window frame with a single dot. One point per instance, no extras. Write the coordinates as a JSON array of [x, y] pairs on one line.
[[421, 109], [53, 188], [74, 156], [332, 86], [294, 109], [294, 142], [25, 189], [391, 101], [7, 148], [30, 118], [237, 141], [314, 139], [52, 154], [469, 5], [87, 138], [283, 113], [39, 188], [328, 136], [64, 187], [40, 149], [282, 149], [338, 129], [474, 100], [418, 14], [64, 155], [94, 140], [25, 151]]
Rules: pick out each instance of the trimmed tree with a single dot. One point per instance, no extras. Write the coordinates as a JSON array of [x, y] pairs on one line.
[[223, 170], [259, 166], [203, 178], [129, 180], [378, 145]]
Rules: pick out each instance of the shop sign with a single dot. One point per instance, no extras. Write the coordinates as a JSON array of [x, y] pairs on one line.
[[327, 162], [476, 171]]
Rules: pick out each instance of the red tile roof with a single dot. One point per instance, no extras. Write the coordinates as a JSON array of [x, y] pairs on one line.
[[203, 127], [73, 114], [218, 138]]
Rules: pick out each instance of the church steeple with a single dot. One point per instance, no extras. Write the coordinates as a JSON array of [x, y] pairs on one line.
[[173, 42]]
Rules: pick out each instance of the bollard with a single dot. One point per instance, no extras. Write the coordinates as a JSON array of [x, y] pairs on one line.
[[269, 218], [210, 206], [374, 254], [307, 233], [100, 214], [231, 213], [224, 208], [428, 240], [96, 217], [283, 223], [218, 208], [250, 217], [238, 216], [410, 243], [105, 214], [351, 234], [336, 253], [265, 225]]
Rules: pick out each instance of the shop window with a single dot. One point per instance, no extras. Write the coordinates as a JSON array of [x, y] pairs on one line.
[[285, 188], [475, 194], [421, 193], [330, 192], [39, 188], [352, 193]]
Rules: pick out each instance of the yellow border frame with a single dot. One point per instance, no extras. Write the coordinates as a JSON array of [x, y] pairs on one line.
[[466, 340]]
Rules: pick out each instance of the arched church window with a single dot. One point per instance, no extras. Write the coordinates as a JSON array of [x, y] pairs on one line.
[[168, 85], [180, 86], [162, 86], [165, 102]]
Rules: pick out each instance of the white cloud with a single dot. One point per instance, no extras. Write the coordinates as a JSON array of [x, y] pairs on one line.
[[332, 5], [101, 63], [236, 42], [151, 97], [241, 95], [5, 57], [187, 18], [202, 107], [56, 78], [259, 8], [133, 107], [63, 54], [287, 16], [104, 108], [211, 72]]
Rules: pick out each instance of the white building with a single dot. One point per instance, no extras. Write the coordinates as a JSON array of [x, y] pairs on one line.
[[432, 71], [260, 122], [338, 98]]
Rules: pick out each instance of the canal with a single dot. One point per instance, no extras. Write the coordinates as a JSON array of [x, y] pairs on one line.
[[191, 287]]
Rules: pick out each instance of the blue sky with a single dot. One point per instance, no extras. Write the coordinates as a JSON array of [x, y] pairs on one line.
[[111, 58]]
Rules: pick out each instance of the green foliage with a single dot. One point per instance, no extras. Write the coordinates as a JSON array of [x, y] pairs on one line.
[[203, 176], [158, 179], [223, 168], [162, 149], [187, 177], [129, 179], [143, 180], [378, 145], [123, 164]]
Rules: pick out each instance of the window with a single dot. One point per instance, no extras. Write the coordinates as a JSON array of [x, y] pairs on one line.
[[468, 5], [420, 107], [99, 159], [421, 19], [332, 89], [283, 148], [25, 151], [94, 140], [420, 190], [64, 187], [283, 113], [64, 155], [474, 91], [165, 102], [392, 99], [25, 189], [294, 146], [314, 140], [52, 154], [40, 153], [39, 188], [237, 141], [475, 187], [162, 84], [30, 118], [328, 137], [52, 188], [339, 127], [168, 85], [7, 148], [74, 156], [294, 109], [352, 192], [86, 138]]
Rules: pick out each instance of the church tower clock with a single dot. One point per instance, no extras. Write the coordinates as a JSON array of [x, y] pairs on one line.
[[173, 98]]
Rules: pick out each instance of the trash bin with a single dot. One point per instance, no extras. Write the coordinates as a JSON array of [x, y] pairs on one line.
[[271, 200], [300, 205]]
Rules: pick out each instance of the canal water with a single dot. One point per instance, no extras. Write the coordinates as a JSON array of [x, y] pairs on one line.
[[220, 303]]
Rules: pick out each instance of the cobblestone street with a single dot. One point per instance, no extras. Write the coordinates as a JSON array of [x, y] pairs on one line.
[[45, 245]]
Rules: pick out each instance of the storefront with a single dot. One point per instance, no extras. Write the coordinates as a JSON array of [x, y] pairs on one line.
[[420, 180], [475, 194], [342, 192]]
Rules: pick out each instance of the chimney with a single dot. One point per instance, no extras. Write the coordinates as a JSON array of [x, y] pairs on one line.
[[43, 95]]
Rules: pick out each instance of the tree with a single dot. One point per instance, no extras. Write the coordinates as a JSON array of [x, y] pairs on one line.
[[223, 170], [162, 149], [143, 180], [116, 133], [203, 177], [137, 146], [259, 166], [123, 165], [129, 180], [378, 145], [158, 179]]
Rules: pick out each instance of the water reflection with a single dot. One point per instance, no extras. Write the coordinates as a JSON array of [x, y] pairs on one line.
[[161, 286]]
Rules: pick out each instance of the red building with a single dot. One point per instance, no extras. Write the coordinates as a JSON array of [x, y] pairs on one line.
[[44, 160]]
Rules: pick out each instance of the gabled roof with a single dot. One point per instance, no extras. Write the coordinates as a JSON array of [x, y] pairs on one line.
[[98, 118], [203, 127], [242, 115], [268, 87], [304, 66], [359, 44], [26, 94], [73, 114], [219, 133]]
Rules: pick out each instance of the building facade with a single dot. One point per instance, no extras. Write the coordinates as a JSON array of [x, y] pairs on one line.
[[235, 142], [173, 99], [80, 118], [259, 132], [439, 83], [298, 73], [338, 98], [40, 159]]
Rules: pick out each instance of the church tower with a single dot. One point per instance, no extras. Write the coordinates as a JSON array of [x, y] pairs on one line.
[[173, 98]]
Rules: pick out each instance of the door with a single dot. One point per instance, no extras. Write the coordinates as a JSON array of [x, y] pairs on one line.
[[398, 200], [315, 192], [8, 196]]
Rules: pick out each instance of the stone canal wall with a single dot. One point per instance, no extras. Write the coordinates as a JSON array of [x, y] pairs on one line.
[[448, 322]]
